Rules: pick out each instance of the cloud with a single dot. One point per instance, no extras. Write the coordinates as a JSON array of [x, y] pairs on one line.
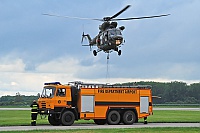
[[7, 64], [71, 69], [74, 67], [37, 48], [14, 78]]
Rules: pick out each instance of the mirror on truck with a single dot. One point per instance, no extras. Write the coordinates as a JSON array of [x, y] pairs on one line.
[[38, 95]]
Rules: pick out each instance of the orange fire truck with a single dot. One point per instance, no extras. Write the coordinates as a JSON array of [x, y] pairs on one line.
[[111, 104]]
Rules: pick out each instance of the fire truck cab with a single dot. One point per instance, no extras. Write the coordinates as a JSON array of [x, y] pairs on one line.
[[111, 104]]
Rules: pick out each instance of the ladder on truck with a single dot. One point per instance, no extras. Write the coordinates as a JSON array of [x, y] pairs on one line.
[[95, 85]]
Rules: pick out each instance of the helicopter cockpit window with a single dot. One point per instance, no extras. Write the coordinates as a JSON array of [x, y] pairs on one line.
[[48, 92], [61, 92], [115, 32], [118, 32]]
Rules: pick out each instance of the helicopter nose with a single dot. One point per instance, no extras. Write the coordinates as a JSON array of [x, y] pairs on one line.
[[118, 40], [118, 37]]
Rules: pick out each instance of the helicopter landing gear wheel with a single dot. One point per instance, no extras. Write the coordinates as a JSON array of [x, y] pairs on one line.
[[119, 52], [95, 52]]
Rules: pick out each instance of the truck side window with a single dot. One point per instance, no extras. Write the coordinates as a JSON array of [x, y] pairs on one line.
[[61, 92]]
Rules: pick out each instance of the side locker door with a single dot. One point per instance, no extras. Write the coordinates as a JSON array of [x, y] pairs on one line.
[[87, 103], [144, 104]]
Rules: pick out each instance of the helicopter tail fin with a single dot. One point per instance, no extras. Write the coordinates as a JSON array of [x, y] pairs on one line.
[[86, 36]]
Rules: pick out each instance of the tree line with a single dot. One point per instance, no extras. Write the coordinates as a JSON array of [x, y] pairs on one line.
[[173, 92], [170, 93], [17, 100]]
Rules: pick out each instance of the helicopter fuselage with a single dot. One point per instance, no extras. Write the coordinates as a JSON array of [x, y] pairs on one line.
[[110, 39]]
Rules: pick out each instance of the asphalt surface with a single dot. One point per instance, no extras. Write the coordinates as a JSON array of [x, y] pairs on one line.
[[94, 126], [187, 109]]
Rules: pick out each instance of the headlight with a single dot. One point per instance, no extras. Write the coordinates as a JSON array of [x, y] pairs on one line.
[[118, 42]]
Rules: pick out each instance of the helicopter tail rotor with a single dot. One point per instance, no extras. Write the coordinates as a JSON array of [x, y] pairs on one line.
[[83, 37]]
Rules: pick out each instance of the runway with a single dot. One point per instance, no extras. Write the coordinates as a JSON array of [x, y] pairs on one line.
[[94, 126]]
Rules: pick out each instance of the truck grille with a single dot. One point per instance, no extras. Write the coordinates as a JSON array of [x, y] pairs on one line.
[[43, 104]]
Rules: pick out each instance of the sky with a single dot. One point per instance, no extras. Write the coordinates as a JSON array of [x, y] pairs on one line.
[[35, 48]]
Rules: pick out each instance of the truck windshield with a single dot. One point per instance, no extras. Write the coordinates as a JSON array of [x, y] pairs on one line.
[[48, 92]]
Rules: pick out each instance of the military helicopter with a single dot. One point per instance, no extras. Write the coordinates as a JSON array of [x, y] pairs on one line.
[[110, 37]]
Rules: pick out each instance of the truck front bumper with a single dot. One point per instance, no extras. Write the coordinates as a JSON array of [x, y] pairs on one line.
[[46, 111]]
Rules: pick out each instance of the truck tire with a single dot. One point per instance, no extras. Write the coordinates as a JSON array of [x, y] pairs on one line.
[[100, 121], [113, 117], [53, 121], [67, 118], [129, 117]]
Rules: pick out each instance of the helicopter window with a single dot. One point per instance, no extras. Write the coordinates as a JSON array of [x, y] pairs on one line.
[[112, 32], [118, 32], [115, 32]]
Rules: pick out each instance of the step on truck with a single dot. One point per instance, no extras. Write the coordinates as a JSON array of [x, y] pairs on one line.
[[105, 104]]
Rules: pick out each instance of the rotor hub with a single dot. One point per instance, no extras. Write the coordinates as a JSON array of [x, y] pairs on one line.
[[106, 18]]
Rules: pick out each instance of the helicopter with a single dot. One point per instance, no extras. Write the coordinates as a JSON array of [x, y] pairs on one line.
[[110, 36]]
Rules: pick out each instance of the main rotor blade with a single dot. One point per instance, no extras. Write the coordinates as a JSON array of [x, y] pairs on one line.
[[117, 14], [119, 19], [54, 15]]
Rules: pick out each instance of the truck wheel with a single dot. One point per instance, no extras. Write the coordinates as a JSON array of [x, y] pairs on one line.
[[113, 117], [53, 121], [100, 121], [67, 118], [129, 117]]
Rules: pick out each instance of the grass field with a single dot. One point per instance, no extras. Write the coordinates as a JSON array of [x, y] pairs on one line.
[[177, 106], [22, 117], [128, 130], [11, 106]]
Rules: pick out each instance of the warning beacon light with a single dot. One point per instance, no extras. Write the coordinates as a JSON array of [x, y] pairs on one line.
[[53, 83]]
